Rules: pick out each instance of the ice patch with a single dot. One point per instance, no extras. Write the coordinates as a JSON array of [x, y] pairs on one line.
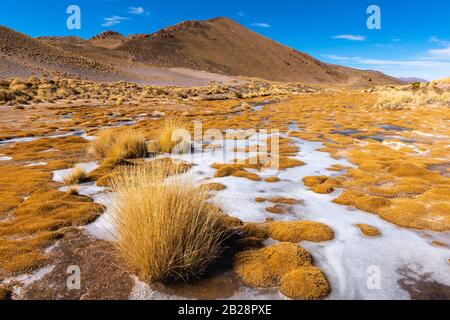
[[80, 133], [397, 145], [27, 279], [103, 227], [36, 164]]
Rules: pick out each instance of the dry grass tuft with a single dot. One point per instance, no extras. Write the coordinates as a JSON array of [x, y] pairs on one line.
[[73, 191], [166, 230], [115, 146], [76, 177], [167, 142]]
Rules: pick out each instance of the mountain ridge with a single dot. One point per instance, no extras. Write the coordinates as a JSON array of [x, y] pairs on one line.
[[218, 46]]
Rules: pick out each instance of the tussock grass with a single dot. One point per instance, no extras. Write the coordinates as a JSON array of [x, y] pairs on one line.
[[115, 146], [165, 228], [78, 176], [167, 142]]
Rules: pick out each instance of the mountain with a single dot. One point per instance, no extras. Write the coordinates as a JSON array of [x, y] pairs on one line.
[[412, 79], [189, 53], [223, 46]]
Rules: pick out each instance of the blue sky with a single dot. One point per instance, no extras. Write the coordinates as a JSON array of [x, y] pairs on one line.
[[414, 39]]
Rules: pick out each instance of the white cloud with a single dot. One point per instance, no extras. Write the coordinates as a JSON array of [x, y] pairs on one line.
[[240, 14], [424, 68], [439, 53], [136, 10], [261, 24], [350, 37], [112, 21], [337, 57]]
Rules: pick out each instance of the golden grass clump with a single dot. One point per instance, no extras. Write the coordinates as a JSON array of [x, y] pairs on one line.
[[285, 266], [277, 209], [321, 184], [367, 230], [115, 146], [296, 231], [214, 186], [264, 267], [305, 284], [235, 170], [272, 179], [281, 200], [77, 176], [165, 228]]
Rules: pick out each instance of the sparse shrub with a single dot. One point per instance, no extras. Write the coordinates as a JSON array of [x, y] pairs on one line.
[[119, 101], [415, 85], [21, 100], [119, 145], [414, 95], [17, 86], [5, 95], [165, 229]]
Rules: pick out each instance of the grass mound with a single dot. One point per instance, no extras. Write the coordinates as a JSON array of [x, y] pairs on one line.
[[296, 231]]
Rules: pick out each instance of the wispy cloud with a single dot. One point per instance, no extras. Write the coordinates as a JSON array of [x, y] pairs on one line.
[[337, 57], [112, 21], [443, 53], [240, 14], [137, 11], [435, 39], [261, 25], [350, 37]]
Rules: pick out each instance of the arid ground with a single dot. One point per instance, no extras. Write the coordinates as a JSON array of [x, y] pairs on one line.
[[357, 205]]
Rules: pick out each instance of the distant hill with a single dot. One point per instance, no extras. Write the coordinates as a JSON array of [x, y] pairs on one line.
[[22, 56], [412, 79], [218, 46]]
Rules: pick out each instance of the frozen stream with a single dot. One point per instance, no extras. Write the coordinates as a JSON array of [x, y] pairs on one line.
[[350, 261]]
